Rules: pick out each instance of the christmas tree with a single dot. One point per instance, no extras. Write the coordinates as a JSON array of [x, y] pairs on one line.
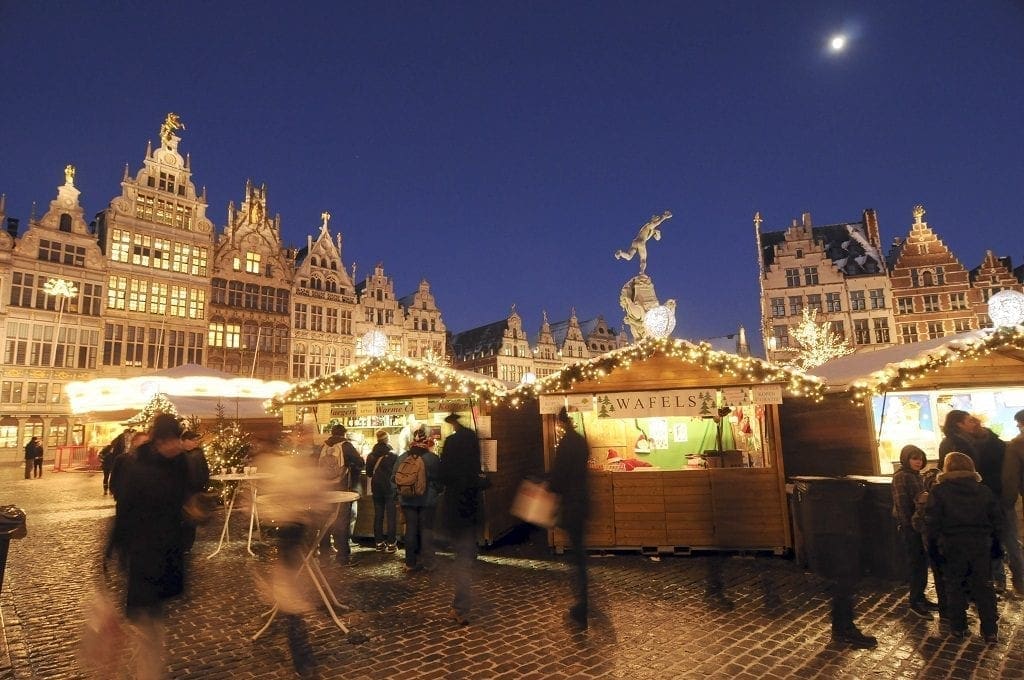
[[227, 445], [816, 342], [158, 404]]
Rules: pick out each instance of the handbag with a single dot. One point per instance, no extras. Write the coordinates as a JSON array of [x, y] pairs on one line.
[[536, 504], [12, 522]]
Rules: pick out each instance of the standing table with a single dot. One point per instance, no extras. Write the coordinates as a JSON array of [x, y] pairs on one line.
[[254, 518], [312, 567]]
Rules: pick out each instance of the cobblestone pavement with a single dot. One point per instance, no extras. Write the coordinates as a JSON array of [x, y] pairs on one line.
[[652, 618]]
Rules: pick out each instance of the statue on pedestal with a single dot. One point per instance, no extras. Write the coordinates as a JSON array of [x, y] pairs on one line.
[[639, 244], [171, 124], [637, 297]]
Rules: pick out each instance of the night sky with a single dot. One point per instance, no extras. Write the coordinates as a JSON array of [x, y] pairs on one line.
[[504, 151]]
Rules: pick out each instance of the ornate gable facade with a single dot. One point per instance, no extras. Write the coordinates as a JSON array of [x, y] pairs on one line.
[[931, 290], [546, 359], [836, 270], [158, 243], [425, 331], [991, 276], [53, 302], [249, 328], [325, 306]]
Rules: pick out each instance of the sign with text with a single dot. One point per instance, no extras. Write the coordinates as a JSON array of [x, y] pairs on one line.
[[483, 427], [366, 408], [696, 403], [767, 394], [421, 408], [551, 403], [289, 415], [323, 412], [489, 455], [735, 396]]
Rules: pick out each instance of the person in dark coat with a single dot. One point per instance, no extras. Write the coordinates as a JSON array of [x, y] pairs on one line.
[[149, 534], [418, 510], [966, 517], [462, 479], [109, 455], [198, 479], [990, 451], [33, 452], [570, 480], [959, 431], [1013, 487], [350, 464], [906, 485], [380, 464]]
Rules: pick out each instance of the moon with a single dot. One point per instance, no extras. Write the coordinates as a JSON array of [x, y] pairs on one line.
[[837, 43]]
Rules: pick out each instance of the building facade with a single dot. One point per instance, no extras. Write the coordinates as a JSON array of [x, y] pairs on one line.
[[837, 271], [150, 285]]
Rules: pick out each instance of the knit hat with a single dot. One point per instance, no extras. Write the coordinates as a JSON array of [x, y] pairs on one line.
[[382, 435], [420, 436], [956, 461], [613, 456], [338, 431]]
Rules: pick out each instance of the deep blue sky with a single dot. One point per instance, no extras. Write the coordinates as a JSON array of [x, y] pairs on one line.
[[504, 151]]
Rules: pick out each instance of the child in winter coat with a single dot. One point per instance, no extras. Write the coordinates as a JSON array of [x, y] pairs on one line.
[[965, 518], [906, 485]]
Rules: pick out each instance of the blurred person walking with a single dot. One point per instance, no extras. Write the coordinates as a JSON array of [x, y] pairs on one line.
[[148, 536], [340, 464], [198, 479], [462, 480], [570, 480]]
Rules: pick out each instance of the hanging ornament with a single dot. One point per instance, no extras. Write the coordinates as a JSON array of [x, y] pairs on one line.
[[1006, 308], [659, 321]]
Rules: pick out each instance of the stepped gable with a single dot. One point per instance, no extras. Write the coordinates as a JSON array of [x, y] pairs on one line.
[[848, 245]]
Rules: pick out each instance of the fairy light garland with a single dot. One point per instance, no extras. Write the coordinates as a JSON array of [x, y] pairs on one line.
[[486, 390], [903, 374], [748, 369]]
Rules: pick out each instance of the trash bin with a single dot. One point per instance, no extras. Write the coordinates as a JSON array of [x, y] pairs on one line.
[[12, 525], [883, 554], [828, 517]]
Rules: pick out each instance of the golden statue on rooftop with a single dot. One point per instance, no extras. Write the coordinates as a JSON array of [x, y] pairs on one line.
[[171, 124], [69, 174]]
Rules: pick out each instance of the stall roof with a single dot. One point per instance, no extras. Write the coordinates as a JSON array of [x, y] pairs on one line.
[[418, 378], [190, 380], [200, 407], [671, 353], [894, 367]]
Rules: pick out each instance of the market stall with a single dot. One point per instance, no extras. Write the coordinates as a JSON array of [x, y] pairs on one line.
[[878, 402], [399, 394], [107, 403], [685, 446]]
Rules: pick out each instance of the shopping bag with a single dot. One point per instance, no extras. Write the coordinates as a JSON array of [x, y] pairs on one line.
[[536, 504], [104, 637]]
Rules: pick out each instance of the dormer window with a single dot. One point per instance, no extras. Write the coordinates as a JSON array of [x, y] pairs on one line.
[[799, 253]]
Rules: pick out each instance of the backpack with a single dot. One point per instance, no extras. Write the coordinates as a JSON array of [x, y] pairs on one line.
[[381, 480], [928, 477], [330, 462], [411, 476]]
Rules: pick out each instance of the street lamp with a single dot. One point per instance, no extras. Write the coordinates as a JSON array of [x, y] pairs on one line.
[[62, 289]]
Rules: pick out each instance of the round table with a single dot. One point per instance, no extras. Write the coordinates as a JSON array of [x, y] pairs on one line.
[[253, 512]]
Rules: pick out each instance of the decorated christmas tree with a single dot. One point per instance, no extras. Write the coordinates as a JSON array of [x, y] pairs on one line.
[[816, 342], [226, 444], [158, 404]]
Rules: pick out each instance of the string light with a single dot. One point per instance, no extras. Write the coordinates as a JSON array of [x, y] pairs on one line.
[[905, 373]]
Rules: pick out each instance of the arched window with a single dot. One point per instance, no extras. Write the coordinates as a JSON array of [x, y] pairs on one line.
[[332, 286], [313, 262], [65, 222], [315, 361], [299, 361], [316, 283]]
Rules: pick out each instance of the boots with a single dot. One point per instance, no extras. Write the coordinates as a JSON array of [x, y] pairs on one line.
[[853, 637]]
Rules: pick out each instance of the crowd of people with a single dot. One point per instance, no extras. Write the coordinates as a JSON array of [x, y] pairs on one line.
[[960, 522]]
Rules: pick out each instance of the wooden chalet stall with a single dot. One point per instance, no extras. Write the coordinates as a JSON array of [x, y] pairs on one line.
[[399, 394], [660, 480], [878, 402]]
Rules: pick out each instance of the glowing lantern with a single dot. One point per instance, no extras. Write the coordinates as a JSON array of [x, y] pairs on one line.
[[1006, 308], [659, 321], [375, 343]]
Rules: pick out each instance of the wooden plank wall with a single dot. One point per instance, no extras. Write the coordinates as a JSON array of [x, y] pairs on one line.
[[748, 509], [639, 502], [520, 455], [689, 511], [830, 438]]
